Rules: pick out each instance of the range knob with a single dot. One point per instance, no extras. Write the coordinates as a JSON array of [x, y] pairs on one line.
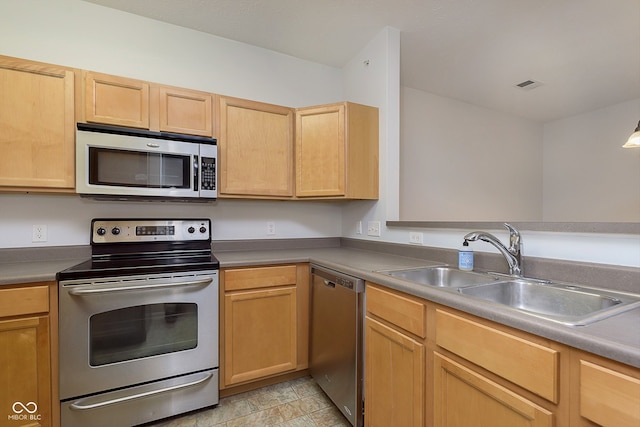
[[101, 231], [115, 231], [191, 230], [203, 229]]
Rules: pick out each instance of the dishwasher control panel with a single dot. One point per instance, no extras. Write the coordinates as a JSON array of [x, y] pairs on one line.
[[332, 277]]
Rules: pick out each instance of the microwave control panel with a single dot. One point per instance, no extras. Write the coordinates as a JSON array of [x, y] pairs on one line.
[[208, 173]]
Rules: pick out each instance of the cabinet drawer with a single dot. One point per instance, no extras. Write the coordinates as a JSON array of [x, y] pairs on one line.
[[607, 397], [501, 353], [402, 311], [259, 277], [27, 300]]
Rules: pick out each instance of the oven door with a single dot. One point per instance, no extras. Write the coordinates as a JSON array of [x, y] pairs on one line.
[[122, 331]]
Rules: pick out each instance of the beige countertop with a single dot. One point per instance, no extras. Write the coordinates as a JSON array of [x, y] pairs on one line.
[[12, 273], [617, 337]]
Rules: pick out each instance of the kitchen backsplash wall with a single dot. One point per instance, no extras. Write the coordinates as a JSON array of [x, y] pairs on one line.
[[68, 218]]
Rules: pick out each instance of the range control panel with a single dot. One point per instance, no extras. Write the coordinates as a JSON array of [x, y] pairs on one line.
[[149, 230]]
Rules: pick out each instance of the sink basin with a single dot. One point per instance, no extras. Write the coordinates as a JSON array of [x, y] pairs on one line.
[[568, 304], [441, 276]]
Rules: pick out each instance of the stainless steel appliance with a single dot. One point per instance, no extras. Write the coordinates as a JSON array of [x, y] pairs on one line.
[[126, 163], [138, 324], [336, 339]]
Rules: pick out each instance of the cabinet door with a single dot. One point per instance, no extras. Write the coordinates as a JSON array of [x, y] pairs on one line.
[[255, 149], [186, 111], [465, 398], [394, 378], [37, 126], [320, 151], [116, 100], [260, 337], [25, 384]]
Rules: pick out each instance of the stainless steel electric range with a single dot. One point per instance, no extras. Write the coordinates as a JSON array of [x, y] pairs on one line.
[[139, 324]]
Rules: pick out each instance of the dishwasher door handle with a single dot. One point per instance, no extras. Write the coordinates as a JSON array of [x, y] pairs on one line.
[[329, 283]]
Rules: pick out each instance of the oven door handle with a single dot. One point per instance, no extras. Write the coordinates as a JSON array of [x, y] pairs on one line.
[[134, 287], [82, 405]]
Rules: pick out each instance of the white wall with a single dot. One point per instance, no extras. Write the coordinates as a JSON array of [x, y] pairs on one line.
[[460, 162], [373, 77], [601, 179], [432, 131]]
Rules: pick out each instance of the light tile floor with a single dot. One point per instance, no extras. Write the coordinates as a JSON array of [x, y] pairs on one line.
[[296, 403]]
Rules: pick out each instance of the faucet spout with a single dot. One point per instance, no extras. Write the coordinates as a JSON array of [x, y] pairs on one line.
[[513, 254]]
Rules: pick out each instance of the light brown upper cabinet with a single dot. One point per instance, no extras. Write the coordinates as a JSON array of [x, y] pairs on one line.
[[255, 149], [116, 100], [186, 111], [122, 101], [37, 126], [337, 151]]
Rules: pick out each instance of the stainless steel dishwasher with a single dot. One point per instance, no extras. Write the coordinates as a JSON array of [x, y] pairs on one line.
[[336, 359]]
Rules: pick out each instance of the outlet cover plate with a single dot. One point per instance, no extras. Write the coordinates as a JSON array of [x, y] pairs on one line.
[[373, 228], [39, 233], [415, 237], [271, 228]]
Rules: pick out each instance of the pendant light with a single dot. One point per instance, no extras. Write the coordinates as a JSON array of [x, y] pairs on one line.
[[634, 139]]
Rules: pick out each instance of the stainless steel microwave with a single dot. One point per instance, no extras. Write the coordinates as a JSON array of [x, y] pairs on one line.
[[125, 163]]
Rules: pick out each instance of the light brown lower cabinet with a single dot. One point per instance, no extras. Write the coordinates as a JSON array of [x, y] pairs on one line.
[[462, 397], [483, 374], [394, 359], [264, 322], [28, 355], [606, 393], [394, 397]]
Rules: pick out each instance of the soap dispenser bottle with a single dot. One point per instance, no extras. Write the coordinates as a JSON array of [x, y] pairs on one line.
[[465, 257]]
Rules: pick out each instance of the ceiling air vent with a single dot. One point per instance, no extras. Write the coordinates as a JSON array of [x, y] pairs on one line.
[[529, 84]]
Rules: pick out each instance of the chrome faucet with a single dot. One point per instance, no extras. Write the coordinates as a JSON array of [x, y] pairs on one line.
[[513, 254]]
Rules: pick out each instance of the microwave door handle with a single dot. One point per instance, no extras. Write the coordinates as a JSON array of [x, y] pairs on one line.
[[196, 170]]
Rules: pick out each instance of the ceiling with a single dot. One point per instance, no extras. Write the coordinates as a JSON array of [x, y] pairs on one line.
[[586, 53]]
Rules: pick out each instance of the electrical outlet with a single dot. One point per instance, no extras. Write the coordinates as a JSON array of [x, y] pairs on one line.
[[415, 237], [359, 227], [373, 228], [271, 228], [39, 233]]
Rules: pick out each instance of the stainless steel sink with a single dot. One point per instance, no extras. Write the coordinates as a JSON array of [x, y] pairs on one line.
[[564, 303], [441, 276]]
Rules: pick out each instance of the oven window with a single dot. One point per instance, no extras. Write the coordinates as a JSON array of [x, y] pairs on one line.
[[138, 169], [142, 331]]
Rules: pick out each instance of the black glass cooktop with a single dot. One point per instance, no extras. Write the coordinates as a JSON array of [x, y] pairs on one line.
[[128, 266]]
